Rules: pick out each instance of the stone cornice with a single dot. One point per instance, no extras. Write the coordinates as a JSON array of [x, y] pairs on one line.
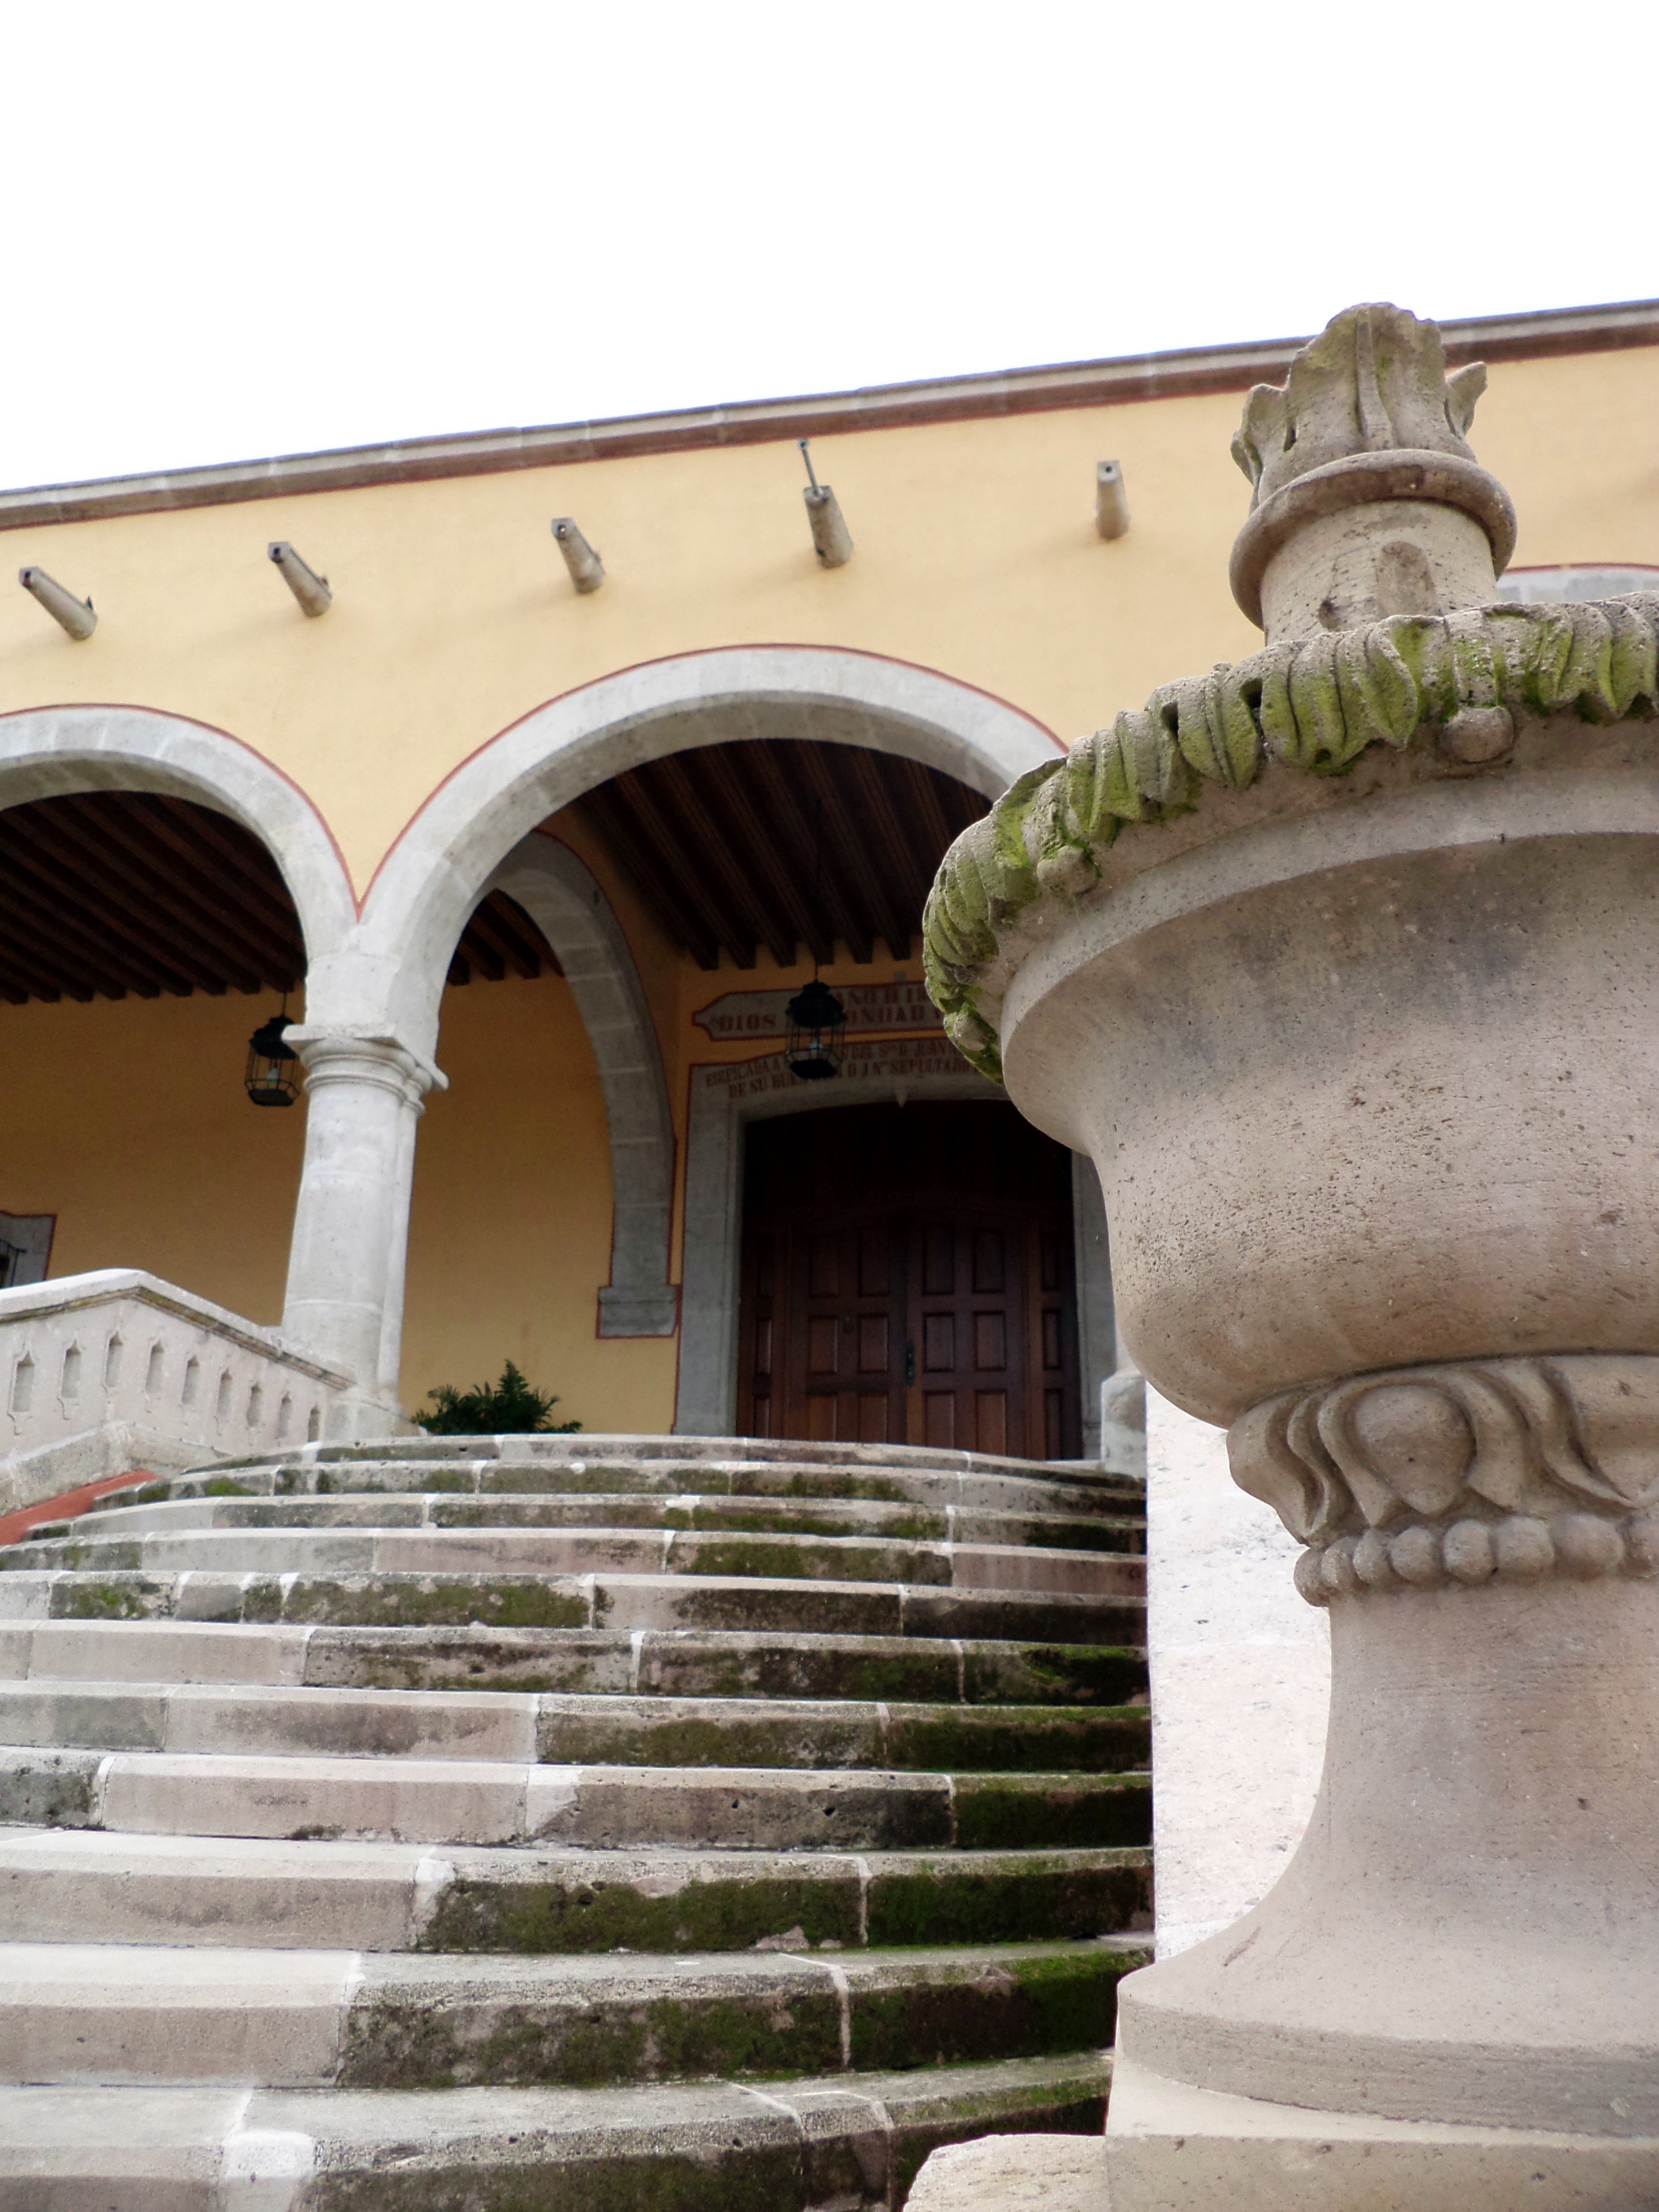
[[1178, 375], [1314, 704]]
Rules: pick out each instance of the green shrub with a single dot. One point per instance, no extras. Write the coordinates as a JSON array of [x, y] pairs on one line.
[[509, 1407]]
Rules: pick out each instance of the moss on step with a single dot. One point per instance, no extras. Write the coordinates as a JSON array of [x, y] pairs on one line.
[[1018, 1896], [734, 1914], [1065, 1812]]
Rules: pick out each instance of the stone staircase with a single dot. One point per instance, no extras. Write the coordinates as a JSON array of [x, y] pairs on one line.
[[564, 1824]]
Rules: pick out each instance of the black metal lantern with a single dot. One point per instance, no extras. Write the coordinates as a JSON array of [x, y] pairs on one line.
[[818, 1024], [273, 1072]]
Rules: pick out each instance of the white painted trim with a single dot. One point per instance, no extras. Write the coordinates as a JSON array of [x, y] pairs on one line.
[[725, 1099], [436, 872], [52, 752], [562, 898]]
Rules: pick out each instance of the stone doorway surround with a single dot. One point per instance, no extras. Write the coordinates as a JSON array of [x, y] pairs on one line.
[[724, 1099]]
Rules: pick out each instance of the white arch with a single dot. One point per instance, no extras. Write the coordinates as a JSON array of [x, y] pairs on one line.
[[52, 752], [562, 897], [435, 875]]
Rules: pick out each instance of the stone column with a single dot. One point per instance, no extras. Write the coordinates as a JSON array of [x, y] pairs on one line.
[[346, 1266], [1343, 963]]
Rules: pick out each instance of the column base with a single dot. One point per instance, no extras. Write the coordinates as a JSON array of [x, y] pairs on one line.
[[1171, 2147]]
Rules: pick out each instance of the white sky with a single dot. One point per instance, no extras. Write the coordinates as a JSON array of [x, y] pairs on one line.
[[234, 230]]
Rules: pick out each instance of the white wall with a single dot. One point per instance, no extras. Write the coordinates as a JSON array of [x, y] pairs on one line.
[[1240, 1680]]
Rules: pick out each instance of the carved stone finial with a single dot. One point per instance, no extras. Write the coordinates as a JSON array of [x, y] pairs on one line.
[[1374, 381], [1367, 500]]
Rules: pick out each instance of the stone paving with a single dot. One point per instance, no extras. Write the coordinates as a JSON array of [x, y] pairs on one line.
[[565, 1823]]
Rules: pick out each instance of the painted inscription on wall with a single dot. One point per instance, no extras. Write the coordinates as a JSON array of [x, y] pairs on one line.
[[870, 1007]]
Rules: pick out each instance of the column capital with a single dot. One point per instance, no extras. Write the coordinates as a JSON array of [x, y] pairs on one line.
[[335, 1052]]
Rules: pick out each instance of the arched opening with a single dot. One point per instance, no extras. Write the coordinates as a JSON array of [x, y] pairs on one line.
[[143, 937], [738, 817], [688, 898], [162, 887]]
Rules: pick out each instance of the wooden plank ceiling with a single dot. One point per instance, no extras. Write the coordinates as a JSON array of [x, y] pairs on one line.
[[117, 891], [767, 842], [723, 844]]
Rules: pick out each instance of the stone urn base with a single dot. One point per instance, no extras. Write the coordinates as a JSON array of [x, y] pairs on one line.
[[1452, 1995], [1174, 2148]]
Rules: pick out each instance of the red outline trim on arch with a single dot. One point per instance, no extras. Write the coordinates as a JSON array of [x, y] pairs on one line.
[[696, 653], [165, 714]]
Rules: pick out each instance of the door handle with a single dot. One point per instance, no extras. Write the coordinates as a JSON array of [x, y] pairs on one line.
[[909, 1363]]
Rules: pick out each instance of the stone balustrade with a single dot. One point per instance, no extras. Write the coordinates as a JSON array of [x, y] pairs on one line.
[[116, 1369]]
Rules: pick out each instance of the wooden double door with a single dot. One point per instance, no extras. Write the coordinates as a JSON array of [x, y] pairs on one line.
[[907, 1278]]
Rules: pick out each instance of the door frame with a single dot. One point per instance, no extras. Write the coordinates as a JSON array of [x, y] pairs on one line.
[[725, 1097]]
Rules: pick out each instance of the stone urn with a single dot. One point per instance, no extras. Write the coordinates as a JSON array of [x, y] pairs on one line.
[[1343, 965]]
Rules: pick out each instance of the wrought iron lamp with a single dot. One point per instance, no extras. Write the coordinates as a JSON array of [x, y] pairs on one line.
[[818, 1025], [273, 1072]]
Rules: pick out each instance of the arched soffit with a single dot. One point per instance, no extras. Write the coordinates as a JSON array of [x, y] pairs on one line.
[[54, 752], [433, 875], [562, 898]]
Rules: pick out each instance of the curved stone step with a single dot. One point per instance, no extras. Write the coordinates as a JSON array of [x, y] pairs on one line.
[[478, 1801], [565, 1730], [611, 1663], [90, 1885], [576, 1553], [469, 1795], [100, 2013], [1084, 1492], [853, 2139], [591, 1447], [622, 1601], [685, 1512]]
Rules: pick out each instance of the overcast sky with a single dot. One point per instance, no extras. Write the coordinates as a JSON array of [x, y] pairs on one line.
[[234, 230]]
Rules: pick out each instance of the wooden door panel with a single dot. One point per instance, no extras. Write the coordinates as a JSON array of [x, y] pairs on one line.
[[990, 1340], [908, 1274], [939, 1344], [990, 1421]]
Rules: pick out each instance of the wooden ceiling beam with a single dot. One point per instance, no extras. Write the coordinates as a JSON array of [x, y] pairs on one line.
[[489, 935], [622, 837], [712, 854], [849, 882], [27, 976], [792, 823], [49, 971], [240, 896], [521, 937], [781, 838], [638, 827], [92, 857], [901, 889], [38, 904], [262, 924]]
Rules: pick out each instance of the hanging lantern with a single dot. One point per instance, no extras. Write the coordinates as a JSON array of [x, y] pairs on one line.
[[818, 1024], [273, 1072]]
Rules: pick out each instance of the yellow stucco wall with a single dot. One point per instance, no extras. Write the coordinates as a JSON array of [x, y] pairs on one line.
[[976, 556], [128, 1121], [453, 617]]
